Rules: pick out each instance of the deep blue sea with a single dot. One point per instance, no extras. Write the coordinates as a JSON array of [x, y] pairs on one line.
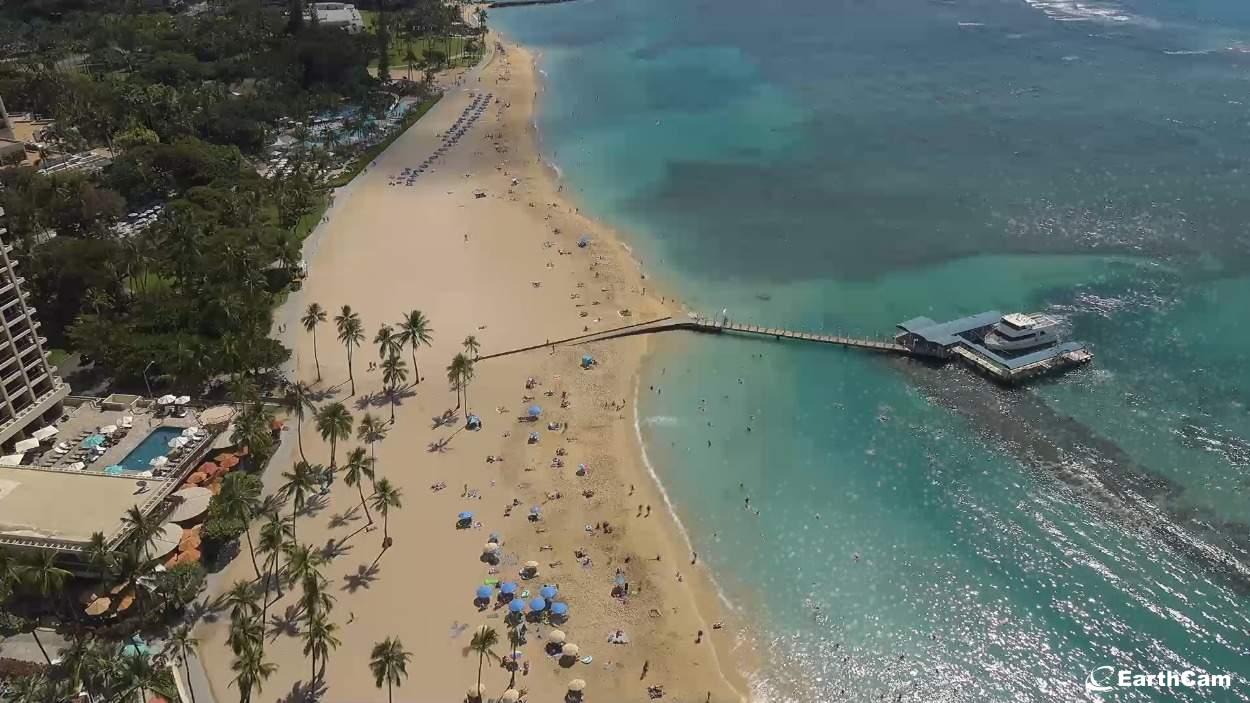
[[842, 165]]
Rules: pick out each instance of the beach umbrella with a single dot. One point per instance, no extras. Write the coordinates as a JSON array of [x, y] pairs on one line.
[[178, 442], [531, 565], [620, 580], [490, 548], [182, 400], [483, 592], [217, 415], [93, 441], [537, 605], [577, 685], [556, 636], [164, 541], [159, 462], [477, 691], [227, 461], [166, 400], [99, 606], [197, 478], [466, 515], [516, 606], [507, 588], [547, 592], [535, 510], [510, 696], [535, 411], [26, 445], [560, 609], [588, 361], [127, 600], [569, 650], [108, 429], [192, 502], [190, 539]]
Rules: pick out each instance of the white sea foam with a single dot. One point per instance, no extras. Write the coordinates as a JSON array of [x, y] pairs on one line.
[[681, 527], [1087, 11], [660, 421]]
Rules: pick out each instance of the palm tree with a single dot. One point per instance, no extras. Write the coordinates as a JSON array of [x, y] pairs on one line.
[[298, 401], [300, 482], [240, 500], [319, 638], [410, 59], [471, 346], [315, 599], [97, 554], [457, 371], [334, 422], [251, 671], [387, 341], [242, 601], [414, 331], [139, 674], [389, 664], [385, 497], [303, 562], [273, 537], [455, 375], [466, 377], [515, 640], [483, 640], [351, 335], [371, 431], [314, 316], [394, 372], [181, 644], [358, 467], [143, 528]]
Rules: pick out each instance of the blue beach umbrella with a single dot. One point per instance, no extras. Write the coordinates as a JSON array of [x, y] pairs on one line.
[[537, 604], [535, 411], [583, 241], [483, 592], [588, 361], [507, 588], [620, 580], [466, 515], [560, 609], [516, 606], [548, 592]]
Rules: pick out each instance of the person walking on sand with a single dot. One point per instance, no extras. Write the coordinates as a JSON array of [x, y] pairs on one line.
[[646, 664]]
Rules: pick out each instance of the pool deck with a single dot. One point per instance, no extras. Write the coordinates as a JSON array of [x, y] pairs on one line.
[[53, 507]]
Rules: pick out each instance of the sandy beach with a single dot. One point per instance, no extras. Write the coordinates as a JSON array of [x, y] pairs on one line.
[[484, 244]]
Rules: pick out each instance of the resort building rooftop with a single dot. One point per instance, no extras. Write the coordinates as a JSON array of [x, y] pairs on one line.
[[107, 456]]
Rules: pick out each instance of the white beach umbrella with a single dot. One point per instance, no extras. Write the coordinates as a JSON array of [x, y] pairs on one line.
[[490, 548], [477, 691], [556, 636], [179, 442], [510, 696], [191, 431], [159, 462], [531, 565], [577, 685], [165, 400], [569, 650], [108, 429], [26, 444], [182, 400]]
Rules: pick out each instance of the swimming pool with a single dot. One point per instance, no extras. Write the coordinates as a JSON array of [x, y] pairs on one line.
[[154, 445]]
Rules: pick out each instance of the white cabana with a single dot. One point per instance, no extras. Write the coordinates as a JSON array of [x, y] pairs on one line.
[[27, 444], [108, 429], [44, 432], [192, 502], [179, 442], [12, 460], [166, 400], [182, 400]]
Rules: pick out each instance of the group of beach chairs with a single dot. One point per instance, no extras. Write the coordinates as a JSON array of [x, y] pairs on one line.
[[470, 115], [75, 449]]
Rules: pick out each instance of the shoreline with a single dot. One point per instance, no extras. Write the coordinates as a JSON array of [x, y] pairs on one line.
[[514, 292]]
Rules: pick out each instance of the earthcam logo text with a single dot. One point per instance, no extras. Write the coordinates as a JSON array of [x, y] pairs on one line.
[[1105, 679]]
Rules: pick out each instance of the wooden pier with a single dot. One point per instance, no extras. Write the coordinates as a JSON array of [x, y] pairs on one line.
[[718, 327]]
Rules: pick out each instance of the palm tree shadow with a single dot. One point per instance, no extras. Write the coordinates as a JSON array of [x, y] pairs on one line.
[[304, 692], [334, 549], [205, 609], [285, 624], [345, 518], [314, 505], [439, 447], [319, 395], [365, 401], [363, 578]]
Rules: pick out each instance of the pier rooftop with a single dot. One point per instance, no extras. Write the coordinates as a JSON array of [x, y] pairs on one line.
[[962, 339]]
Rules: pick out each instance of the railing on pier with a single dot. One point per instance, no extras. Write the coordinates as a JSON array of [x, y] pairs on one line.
[[717, 326]]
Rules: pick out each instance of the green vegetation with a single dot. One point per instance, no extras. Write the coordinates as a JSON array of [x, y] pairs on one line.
[[368, 155]]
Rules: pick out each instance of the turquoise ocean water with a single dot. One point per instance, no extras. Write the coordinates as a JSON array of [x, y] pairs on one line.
[[848, 164]]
